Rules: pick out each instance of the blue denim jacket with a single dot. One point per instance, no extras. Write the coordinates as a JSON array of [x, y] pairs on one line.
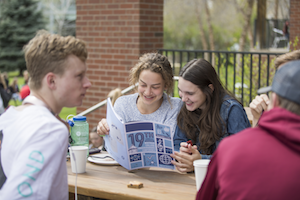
[[233, 114]]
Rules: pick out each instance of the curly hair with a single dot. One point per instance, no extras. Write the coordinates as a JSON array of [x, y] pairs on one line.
[[157, 63], [284, 58], [48, 53]]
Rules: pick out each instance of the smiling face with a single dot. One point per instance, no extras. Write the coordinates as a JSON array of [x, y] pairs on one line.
[[150, 89], [72, 85], [191, 94]]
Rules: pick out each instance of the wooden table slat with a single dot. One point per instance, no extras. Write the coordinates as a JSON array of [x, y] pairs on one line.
[[110, 182]]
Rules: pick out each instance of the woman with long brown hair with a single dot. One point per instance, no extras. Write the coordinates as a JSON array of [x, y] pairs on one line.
[[209, 114]]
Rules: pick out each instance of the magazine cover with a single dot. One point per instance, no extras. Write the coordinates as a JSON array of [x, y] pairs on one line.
[[138, 144]]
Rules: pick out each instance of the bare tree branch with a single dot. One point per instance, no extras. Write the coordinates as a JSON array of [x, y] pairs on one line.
[[211, 35], [202, 34], [247, 24]]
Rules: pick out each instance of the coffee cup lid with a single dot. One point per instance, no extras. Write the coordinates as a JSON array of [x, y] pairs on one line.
[[201, 163]]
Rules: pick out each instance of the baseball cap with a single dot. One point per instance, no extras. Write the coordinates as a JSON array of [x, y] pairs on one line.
[[286, 82]]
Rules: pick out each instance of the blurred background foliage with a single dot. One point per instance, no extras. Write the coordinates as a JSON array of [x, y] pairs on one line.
[[184, 19], [20, 19]]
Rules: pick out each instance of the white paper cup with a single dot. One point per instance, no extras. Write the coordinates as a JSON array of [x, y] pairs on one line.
[[78, 164], [200, 168]]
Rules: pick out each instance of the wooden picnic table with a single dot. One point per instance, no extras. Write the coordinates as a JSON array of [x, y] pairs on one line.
[[110, 182]]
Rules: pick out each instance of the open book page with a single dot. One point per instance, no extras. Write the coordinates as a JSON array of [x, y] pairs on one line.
[[138, 144]]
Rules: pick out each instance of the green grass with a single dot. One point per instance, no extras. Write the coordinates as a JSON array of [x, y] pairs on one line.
[[64, 112]]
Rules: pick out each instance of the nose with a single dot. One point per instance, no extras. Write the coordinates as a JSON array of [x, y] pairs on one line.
[[147, 91], [184, 98], [86, 83]]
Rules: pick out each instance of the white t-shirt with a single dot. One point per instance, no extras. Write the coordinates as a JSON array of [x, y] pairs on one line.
[[33, 154]]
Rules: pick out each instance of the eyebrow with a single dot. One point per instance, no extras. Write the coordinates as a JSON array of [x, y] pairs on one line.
[[152, 84], [186, 91]]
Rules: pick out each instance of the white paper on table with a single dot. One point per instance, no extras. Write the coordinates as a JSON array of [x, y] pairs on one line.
[[138, 144]]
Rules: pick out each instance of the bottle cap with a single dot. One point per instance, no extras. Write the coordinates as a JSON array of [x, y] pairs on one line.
[[70, 123], [79, 118]]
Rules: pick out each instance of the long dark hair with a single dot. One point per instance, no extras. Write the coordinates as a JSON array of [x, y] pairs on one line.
[[207, 121]]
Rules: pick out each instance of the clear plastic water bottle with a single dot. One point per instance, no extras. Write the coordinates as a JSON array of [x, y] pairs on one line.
[[80, 132]]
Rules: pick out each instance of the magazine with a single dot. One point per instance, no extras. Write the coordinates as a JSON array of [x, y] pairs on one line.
[[138, 144]]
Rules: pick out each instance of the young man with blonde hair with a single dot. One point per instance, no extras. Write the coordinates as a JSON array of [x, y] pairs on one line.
[[34, 140], [262, 162]]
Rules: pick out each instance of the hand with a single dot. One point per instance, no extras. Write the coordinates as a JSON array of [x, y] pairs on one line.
[[103, 128], [185, 157], [257, 105]]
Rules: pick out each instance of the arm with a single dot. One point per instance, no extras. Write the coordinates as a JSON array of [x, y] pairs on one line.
[[237, 120], [178, 138]]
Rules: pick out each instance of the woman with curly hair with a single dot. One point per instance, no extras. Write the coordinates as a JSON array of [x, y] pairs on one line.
[[152, 102]]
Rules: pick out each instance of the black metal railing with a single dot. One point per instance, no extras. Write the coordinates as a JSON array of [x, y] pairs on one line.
[[242, 73]]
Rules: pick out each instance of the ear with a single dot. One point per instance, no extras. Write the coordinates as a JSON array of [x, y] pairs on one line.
[[211, 86], [51, 80]]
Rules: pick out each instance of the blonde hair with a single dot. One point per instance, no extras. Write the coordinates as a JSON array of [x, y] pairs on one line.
[[14, 83], [289, 105], [114, 94], [294, 55], [157, 63], [2, 80], [48, 53]]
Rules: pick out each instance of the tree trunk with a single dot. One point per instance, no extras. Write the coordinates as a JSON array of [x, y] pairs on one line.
[[210, 29], [261, 23], [201, 29], [246, 27], [250, 35], [276, 9]]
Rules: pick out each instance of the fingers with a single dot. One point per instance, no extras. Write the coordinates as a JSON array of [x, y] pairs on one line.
[[182, 157], [259, 104], [185, 149], [185, 162], [266, 100], [103, 128], [181, 167], [183, 144], [186, 157]]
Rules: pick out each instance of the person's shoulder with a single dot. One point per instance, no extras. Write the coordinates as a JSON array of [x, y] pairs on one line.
[[42, 115], [128, 97], [125, 100], [175, 99], [176, 102], [229, 101]]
